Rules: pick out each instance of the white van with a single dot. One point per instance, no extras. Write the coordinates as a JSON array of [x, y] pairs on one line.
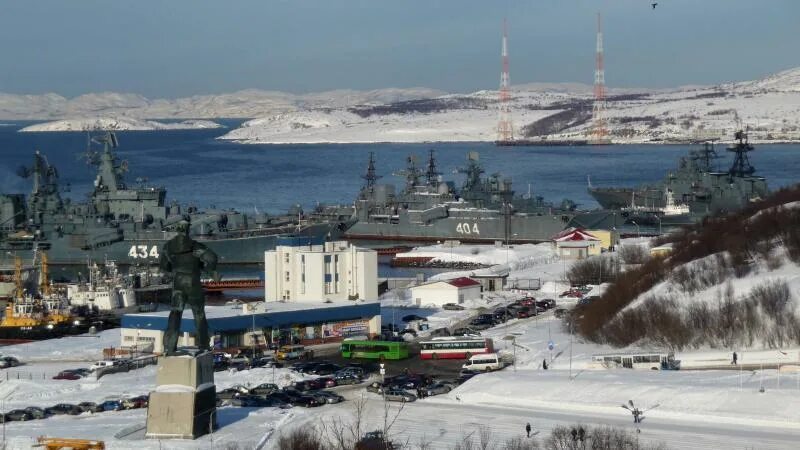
[[485, 362]]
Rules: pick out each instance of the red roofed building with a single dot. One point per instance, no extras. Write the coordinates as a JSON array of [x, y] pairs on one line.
[[437, 293], [576, 243]]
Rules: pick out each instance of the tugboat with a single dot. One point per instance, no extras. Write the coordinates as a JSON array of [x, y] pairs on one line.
[[128, 223], [43, 315], [106, 290]]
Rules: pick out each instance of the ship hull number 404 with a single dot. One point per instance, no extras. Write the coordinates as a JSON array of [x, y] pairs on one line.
[[143, 251], [465, 228]]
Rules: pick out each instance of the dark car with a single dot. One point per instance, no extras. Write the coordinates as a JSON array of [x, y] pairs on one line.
[[8, 361], [550, 303], [90, 407], [63, 408], [112, 405], [220, 365], [465, 375], [527, 301], [328, 397], [227, 394], [17, 415], [247, 401], [452, 307], [481, 324], [366, 366], [437, 388], [440, 332], [523, 313], [279, 396], [466, 332], [376, 387], [267, 361], [265, 389], [305, 367], [36, 412], [300, 399], [324, 369], [346, 379], [502, 314]]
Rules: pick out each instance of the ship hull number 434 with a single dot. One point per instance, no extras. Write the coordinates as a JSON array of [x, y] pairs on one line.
[[143, 251], [465, 228]]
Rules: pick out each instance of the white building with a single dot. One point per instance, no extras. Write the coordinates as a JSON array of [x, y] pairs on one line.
[[301, 271], [458, 290]]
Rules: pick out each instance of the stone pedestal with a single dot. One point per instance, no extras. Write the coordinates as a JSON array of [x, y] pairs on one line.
[[184, 403]]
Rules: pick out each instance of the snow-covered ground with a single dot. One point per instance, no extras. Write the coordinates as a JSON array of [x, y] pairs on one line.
[[117, 123], [691, 409]]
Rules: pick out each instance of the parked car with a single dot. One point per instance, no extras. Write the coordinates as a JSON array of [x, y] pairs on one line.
[[17, 415], [280, 396], [67, 375], [266, 361], [328, 397], [550, 303], [36, 412], [440, 332], [452, 307], [439, 387], [90, 407], [465, 375], [560, 313], [140, 401], [485, 362], [523, 313], [264, 389], [227, 394], [350, 372], [345, 379], [527, 301], [8, 361], [376, 387], [112, 405], [481, 324], [466, 332], [324, 369], [300, 399], [398, 395], [63, 408]]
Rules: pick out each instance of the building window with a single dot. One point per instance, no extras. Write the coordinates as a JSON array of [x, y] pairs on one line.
[[128, 338], [287, 275], [286, 258]]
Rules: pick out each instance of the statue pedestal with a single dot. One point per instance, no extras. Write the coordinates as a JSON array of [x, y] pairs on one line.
[[184, 403]]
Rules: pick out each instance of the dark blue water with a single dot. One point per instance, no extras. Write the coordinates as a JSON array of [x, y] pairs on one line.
[[196, 168]]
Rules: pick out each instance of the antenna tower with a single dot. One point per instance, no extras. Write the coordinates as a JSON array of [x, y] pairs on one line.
[[505, 130], [599, 131]]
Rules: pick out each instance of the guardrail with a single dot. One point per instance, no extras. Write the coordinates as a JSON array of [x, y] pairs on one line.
[[126, 366]]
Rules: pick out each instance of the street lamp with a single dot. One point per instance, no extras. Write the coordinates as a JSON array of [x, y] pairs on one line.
[[638, 234]]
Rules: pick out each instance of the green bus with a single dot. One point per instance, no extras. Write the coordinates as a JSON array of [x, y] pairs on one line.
[[374, 349]]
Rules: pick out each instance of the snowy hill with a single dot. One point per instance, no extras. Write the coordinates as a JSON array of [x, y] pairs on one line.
[[244, 104], [769, 108], [119, 124]]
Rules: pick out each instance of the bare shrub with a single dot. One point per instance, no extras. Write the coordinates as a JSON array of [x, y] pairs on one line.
[[519, 443], [593, 270], [301, 439], [598, 438], [633, 254]]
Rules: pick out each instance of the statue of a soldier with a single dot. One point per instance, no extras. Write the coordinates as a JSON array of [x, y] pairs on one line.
[[186, 259]]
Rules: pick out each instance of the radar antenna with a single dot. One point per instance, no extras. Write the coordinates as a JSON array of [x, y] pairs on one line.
[[411, 173]]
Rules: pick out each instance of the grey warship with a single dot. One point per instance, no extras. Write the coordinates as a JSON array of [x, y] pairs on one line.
[[129, 223], [694, 184], [482, 210]]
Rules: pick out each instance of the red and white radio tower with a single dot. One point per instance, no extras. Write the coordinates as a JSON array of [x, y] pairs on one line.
[[505, 130], [599, 130]]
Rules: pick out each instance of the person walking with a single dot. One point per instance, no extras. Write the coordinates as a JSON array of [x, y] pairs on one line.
[[528, 429], [735, 358], [544, 364]]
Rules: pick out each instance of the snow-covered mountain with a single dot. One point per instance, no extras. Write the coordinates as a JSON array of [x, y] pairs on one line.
[[769, 108], [117, 123], [242, 104]]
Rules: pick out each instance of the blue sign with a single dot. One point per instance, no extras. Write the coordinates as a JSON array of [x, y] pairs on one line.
[[550, 345]]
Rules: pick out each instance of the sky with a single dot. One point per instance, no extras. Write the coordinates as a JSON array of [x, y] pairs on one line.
[[179, 48]]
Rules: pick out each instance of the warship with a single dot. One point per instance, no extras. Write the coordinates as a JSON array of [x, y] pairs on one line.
[[482, 210], [129, 223], [694, 185]]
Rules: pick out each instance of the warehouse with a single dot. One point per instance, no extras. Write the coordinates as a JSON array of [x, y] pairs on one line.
[[236, 324]]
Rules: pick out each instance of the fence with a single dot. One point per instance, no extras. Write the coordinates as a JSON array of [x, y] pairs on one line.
[[525, 284]]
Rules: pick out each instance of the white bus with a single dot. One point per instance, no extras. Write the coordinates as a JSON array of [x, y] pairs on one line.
[[455, 347], [644, 360]]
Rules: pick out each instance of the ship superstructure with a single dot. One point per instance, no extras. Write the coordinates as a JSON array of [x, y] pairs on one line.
[[129, 223]]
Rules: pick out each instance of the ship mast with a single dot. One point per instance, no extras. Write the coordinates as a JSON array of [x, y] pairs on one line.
[[741, 163], [371, 176], [44, 285], [432, 175]]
